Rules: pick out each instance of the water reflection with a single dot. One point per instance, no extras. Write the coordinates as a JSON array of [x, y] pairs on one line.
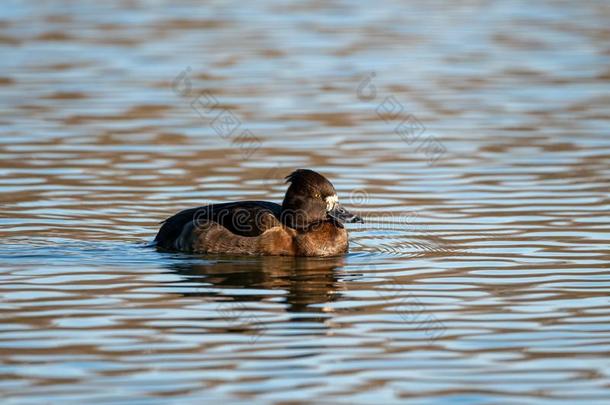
[[301, 282]]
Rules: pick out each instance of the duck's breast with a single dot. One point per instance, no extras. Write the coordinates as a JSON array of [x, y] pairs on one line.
[[326, 239]]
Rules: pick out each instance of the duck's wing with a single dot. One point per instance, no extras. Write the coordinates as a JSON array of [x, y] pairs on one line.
[[245, 218]]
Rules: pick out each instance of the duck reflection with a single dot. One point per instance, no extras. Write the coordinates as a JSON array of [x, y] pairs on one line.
[[304, 281]]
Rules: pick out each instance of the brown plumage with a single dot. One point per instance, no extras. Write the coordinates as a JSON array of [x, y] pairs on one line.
[[308, 223]]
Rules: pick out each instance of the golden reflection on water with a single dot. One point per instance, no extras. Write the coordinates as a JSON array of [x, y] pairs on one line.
[[479, 276]]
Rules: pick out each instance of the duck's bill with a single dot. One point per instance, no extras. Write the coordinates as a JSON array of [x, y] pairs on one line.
[[342, 215]]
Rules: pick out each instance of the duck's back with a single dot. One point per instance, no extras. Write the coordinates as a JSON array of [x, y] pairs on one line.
[[239, 219]]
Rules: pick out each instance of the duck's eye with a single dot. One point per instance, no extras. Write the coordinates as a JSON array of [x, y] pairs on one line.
[[317, 195]]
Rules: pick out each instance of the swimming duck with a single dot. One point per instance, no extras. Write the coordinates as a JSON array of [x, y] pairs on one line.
[[308, 223]]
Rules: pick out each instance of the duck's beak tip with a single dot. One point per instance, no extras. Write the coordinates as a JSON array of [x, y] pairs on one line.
[[357, 220], [342, 215]]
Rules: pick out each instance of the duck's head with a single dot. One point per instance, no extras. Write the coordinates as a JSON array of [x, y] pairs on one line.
[[311, 198]]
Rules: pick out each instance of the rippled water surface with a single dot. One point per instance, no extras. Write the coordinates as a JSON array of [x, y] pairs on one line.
[[479, 277]]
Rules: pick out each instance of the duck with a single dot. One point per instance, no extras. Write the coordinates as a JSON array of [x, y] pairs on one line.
[[309, 222]]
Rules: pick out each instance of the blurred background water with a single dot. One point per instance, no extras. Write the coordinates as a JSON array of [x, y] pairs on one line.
[[472, 135]]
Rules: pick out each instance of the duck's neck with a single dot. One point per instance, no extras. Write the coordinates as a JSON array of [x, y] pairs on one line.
[[301, 223]]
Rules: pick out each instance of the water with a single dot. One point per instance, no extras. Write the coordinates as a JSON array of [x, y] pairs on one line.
[[479, 277]]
